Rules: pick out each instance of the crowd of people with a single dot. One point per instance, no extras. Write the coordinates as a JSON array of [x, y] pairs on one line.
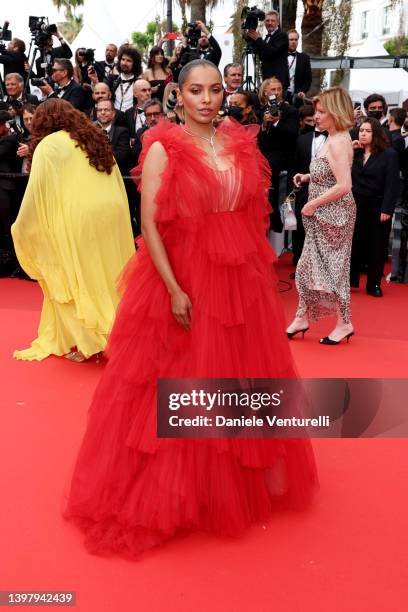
[[125, 101]]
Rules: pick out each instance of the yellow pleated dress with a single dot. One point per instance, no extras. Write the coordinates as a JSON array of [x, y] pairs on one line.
[[73, 235]]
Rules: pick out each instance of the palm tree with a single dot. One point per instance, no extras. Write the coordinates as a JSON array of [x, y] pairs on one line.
[[73, 24], [289, 9], [312, 34], [198, 8]]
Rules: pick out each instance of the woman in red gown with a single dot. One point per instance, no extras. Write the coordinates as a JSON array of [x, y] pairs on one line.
[[200, 301]]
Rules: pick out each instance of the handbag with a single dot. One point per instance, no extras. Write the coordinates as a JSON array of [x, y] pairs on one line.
[[288, 215]]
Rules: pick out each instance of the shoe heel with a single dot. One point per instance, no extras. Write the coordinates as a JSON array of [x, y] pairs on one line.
[[349, 336]]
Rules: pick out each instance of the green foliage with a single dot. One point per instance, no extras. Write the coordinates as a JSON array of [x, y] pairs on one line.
[[397, 46], [73, 23], [145, 40]]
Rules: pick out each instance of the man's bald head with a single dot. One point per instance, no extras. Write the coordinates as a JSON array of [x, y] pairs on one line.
[[142, 91], [101, 92]]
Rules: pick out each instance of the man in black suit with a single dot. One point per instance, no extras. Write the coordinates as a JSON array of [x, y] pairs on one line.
[[277, 141], [8, 163], [307, 148], [135, 117], [300, 71], [16, 98], [273, 51], [153, 110], [13, 58], [108, 66], [118, 136], [50, 53], [66, 88]]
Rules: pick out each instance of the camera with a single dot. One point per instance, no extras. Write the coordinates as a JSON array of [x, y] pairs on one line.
[[250, 18], [41, 82], [41, 30], [272, 106], [5, 34], [17, 129], [88, 55], [193, 35]]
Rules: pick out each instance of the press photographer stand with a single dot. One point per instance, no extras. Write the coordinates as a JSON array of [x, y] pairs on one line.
[[250, 83]]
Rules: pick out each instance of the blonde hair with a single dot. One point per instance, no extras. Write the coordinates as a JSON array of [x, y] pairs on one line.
[[338, 104], [265, 84]]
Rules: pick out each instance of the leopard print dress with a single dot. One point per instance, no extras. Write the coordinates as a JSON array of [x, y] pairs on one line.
[[323, 270]]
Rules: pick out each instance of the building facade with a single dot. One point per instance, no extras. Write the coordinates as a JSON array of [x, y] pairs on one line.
[[379, 18]]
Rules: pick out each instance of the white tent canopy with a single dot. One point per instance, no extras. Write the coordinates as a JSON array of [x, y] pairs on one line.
[[392, 83], [99, 29]]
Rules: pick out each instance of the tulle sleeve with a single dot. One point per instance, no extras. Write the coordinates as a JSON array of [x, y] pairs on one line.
[[165, 133]]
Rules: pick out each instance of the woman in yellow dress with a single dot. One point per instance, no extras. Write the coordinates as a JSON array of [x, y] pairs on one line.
[[73, 232]]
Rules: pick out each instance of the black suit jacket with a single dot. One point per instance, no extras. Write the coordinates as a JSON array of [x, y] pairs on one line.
[[55, 53], [8, 161], [13, 61], [377, 179], [274, 56], [303, 73], [213, 54], [131, 121], [120, 141], [303, 157], [277, 143], [74, 94]]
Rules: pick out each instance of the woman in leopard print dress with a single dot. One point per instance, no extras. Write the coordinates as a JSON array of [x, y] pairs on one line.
[[323, 271]]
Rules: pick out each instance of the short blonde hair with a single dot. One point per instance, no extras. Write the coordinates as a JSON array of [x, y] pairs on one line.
[[338, 104], [265, 84]]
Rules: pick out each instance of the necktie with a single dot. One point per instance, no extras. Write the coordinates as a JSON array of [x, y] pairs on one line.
[[292, 54], [318, 133]]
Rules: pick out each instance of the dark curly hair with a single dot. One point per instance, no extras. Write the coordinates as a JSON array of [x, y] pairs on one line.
[[56, 114], [134, 54], [380, 140]]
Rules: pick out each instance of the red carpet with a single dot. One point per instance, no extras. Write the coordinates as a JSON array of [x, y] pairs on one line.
[[348, 553]]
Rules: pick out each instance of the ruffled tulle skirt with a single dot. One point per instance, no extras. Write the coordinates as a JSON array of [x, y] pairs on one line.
[[131, 490]]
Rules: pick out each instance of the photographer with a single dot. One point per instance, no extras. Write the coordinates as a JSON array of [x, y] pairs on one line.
[[14, 58], [8, 163], [62, 74], [118, 136], [22, 151], [86, 72], [200, 45], [16, 98], [108, 66], [101, 91], [50, 53], [153, 111], [135, 118], [273, 51], [232, 80], [130, 69], [277, 137]]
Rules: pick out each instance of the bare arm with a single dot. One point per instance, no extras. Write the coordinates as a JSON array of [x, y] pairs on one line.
[[339, 154], [154, 165]]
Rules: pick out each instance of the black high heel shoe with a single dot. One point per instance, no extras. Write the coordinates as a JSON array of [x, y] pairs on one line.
[[329, 341], [298, 331]]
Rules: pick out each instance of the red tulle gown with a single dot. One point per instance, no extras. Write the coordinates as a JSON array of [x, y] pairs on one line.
[[130, 490]]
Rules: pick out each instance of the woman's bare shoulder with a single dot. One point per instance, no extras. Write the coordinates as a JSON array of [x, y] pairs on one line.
[[156, 155], [339, 145]]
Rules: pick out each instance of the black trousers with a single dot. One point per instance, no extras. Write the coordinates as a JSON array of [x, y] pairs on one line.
[[369, 242]]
